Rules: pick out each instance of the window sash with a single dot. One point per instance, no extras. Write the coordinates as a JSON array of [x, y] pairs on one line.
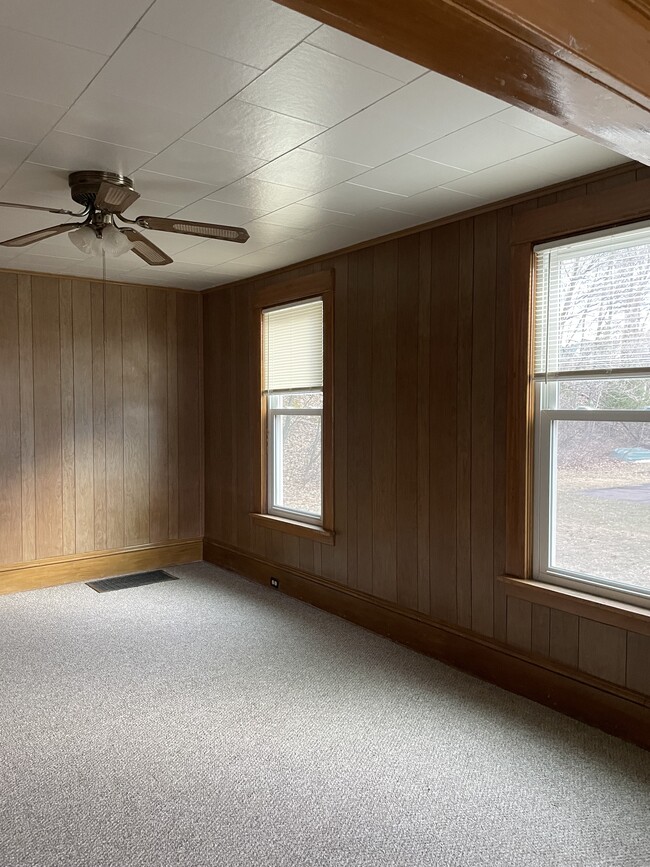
[[544, 474], [274, 457]]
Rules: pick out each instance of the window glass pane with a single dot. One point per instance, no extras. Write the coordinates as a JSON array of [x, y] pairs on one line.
[[297, 463], [601, 394], [298, 400], [600, 509]]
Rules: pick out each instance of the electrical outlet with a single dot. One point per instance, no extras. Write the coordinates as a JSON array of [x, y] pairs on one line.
[[275, 583]]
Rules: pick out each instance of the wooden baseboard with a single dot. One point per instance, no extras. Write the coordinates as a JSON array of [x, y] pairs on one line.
[[97, 564], [613, 709]]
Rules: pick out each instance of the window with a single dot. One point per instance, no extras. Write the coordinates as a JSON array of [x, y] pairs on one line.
[[292, 346], [592, 414], [293, 322]]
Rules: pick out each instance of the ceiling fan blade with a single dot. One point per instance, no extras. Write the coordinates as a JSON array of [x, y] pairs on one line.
[[188, 227], [40, 235], [114, 198], [40, 208], [144, 248]]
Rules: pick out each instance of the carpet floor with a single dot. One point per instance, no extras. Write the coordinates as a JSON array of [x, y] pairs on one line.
[[210, 721]]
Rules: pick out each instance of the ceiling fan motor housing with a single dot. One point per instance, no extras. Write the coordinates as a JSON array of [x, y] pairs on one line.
[[85, 185]]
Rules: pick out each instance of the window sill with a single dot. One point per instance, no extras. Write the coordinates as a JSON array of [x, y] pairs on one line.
[[609, 611], [295, 528]]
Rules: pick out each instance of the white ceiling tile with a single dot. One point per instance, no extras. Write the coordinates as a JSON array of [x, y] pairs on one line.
[[502, 181], [573, 157], [262, 196], [210, 253], [223, 213], [264, 234], [39, 185], [170, 242], [342, 44], [438, 202], [300, 217], [255, 32], [165, 188], [529, 122], [12, 154], [27, 119], [353, 199], [92, 24], [381, 221], [72, 152], [166, 73], [43, 70], [268, 258], [438, 105], [231, 271], [107, 117], [317, 86], [308, 171], [370, 137], [213, 166], [408, 175], [147, 207], [248, 129], [481, 145]]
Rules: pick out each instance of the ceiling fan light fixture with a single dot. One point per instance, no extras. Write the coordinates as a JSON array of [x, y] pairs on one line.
[[114, 242], [87, 241]]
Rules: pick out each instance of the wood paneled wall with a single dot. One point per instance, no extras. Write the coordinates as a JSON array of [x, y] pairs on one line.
[[420, 438], [100, 416]]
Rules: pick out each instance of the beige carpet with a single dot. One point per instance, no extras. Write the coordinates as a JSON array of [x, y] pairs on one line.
[[209, 721]]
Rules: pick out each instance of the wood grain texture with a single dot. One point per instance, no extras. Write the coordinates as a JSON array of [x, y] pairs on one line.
[[431, 362], [585, 65], [85, 413]]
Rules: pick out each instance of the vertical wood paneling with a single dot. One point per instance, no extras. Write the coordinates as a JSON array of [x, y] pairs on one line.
[[113, 385], [172, 415], [563, 638], [443, 393], [408, 300], [602, 650], [340, 552], [10, 445], [424, 384], [638, 663], [88, 385], [483, 352], [519, 623], [351, 481], [464, 426], [28, 515], [189, 463], [67, 419], [157, 421], [47, 416], [83, 417], [423, 421], [136, 414], [384, 422], [99, 414], [364, 421], [540, 629]]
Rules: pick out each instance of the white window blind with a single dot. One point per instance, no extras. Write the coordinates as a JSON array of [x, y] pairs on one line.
[[592, 305], [292, 339]]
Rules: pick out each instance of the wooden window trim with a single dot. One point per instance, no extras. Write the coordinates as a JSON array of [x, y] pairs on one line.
[[320, 284], [625, 204]]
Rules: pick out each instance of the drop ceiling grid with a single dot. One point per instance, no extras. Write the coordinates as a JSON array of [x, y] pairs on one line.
[[245, 112]]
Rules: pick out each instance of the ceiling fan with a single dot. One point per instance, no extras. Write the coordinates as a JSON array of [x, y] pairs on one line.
[[104, 196]]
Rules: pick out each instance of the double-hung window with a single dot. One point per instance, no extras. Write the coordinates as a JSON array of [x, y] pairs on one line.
[[592, 414], [292, 345]]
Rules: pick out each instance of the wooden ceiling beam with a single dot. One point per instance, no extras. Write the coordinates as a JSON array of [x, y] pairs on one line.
[[584, 64]]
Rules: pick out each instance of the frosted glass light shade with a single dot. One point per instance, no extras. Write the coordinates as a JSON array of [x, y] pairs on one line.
[[112, 241], [85, 240]]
